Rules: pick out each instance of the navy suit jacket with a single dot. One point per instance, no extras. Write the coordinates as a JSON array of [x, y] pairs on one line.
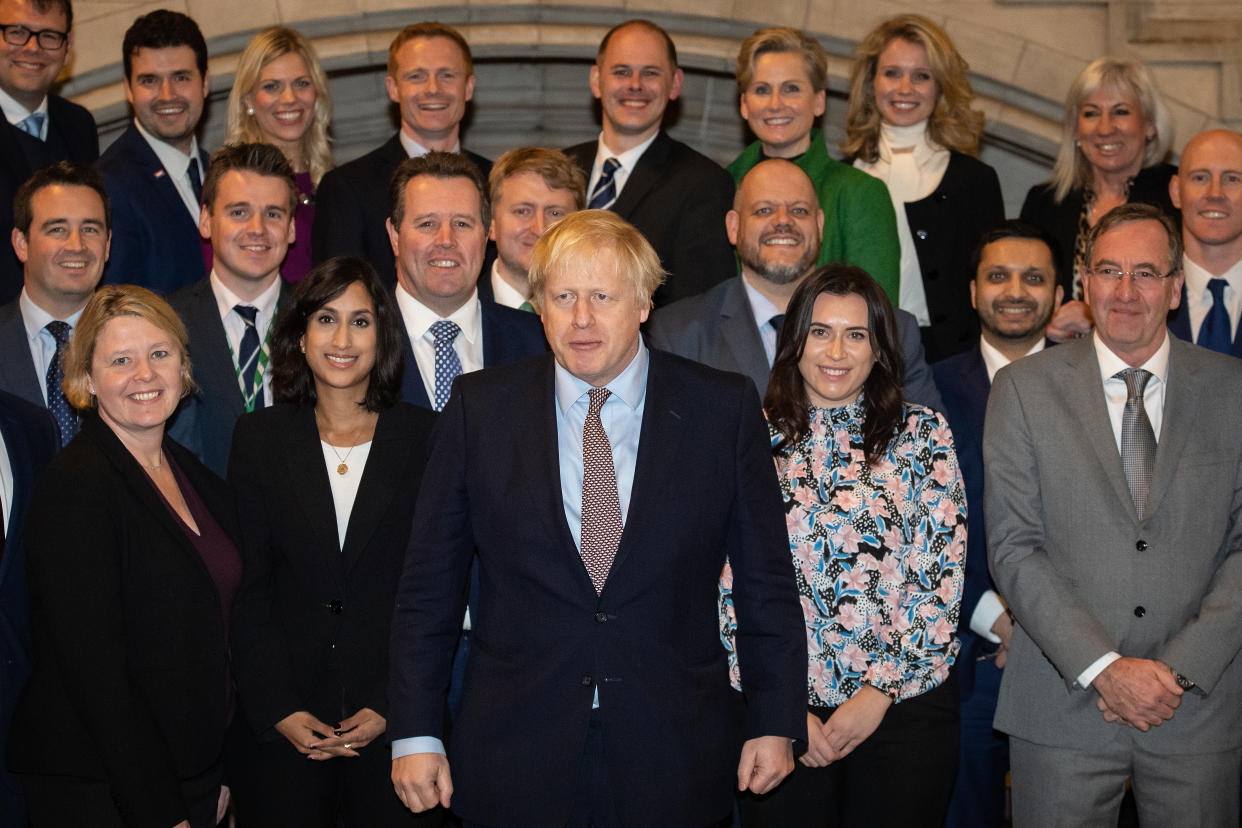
[[677, 198], [544, 641], [1179, 326], [17, 370], [351, 208], [204, 422], [71, 136], [155, 243], [718, 329], [508, 335], [31, 440]]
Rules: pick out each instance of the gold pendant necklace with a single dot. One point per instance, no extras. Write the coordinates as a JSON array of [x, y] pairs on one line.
[[342, 467]]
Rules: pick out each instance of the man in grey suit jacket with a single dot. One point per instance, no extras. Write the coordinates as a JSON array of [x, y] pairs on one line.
[[775, 226], [1116, 542]]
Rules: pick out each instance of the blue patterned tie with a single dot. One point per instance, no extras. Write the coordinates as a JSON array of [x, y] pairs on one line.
[[1215, 331], [448, 366], [605, 192], [248, 359], [66, 420], [32, 125]]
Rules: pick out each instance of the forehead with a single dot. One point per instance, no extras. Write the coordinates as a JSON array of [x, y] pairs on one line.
[[1016, 253], [62, 201], [166, 60], [781, 182], [129, 331], [430, 53], [425, 194], [290, 64], [248, 185], [1111, 94], [24, 12], [850, 309], [1134, 241], [780, 66], [354, 297], [529, 185], [1221, 149], [636, 46], [904, 52], [595, 266]]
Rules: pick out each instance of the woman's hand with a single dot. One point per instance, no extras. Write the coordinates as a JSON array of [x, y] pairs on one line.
[[303, 731], [222, 804], [818, 752], [851, 723], [351, 735], [1071, 321]]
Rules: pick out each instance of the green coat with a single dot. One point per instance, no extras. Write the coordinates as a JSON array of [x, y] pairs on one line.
[[860, 227]]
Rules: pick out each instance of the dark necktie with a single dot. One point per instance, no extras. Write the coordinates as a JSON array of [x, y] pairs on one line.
[[249, 359], [601, 510], [605, 192], [1215, 331], [448, 365], [1138, 439], [66, 420], [196, 180], [777, 322], [32, 125]]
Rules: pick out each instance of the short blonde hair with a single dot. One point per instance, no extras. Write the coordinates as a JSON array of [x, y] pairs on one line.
[[1072, 168], [782, 40], [953, 124], [107, 303], [584, 234], [557, 170], [265, 47]]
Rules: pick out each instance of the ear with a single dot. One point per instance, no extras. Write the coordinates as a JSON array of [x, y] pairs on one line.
[[206, 84], [302, 343], [19, 245], [204, 222], [742, 107], [392, 236], [1057, 297], [975, 304], [470, 87], [595, 79], [491, 229], [821, 102], [678, 78], [1175, 190], [733, 221], [390, 83]]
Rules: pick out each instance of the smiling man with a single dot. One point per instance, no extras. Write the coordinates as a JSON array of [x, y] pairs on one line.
[[61, 233], [675, 196], [597, 691], [430, 79], [38, 127], [1208, 190], [154, 171], [247, 216]]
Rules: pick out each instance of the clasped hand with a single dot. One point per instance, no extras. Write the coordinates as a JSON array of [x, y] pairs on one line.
[[316, 740], [847, 727], [1138, 692]]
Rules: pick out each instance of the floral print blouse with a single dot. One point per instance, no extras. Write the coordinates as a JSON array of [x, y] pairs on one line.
[[878, 550]]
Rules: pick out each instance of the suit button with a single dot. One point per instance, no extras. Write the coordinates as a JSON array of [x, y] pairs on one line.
[[1141, 546], [922, 234], [586, 681], [1139, 612], [601, 617], [335, 606]]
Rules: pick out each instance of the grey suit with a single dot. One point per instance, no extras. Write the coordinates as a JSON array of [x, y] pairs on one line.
[[17, 371], [718, 329], [1084, 576]]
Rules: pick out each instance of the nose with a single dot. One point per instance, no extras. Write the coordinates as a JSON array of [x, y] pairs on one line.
[[1126, 288], [142, 368], [166, 89], [1213, 190], [286, 94], [539, 223], [433, 84], [74, 242], [444, 235], [254, 225], [836, 347], [582, 316], [341, 336], [903, 85], [1106, 122]]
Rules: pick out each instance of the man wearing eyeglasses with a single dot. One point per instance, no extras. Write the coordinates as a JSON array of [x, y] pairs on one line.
[[37, 128], [1113, 488]]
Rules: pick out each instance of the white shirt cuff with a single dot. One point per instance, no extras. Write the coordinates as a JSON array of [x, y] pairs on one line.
[[417, 744], [989, 608], [1088, 675]]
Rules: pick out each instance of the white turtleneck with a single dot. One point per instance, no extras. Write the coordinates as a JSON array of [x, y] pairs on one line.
[[911, 166]]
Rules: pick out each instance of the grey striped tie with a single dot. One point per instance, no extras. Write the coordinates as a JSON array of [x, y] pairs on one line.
[[1138, 439]]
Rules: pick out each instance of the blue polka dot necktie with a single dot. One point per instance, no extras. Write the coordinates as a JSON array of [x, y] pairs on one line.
[[1215, 331], [32, 125], [605, 192], [601, 508], [448, 366], [66, 420]]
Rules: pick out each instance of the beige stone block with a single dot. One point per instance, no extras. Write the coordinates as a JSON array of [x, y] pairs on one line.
[[1048, 73], [220, 17], [989, 51], [703, 8], [773, 12], [1028, 122], [1195, 86], [1074, 29], [853, 20], [293, 12], [1187, 123], [97, 37], [518, 35]]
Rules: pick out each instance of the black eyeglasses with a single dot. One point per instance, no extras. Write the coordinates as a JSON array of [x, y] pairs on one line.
[[50, 40]]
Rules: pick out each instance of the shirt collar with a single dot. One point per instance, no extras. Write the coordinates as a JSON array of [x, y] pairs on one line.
[[419, 318], [627, 159], [630, 386], [1110, 363], [174, 161], [15, 113], [227, 299], [760, 305], [413, 149], [36, 318], [1197, 278], [503, 291], [994, 360]]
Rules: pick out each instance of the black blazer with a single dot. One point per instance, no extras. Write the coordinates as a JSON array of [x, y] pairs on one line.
[[311, 621], [130, 666], [704, 487], [71, 136], [945, 226], [1151, 186], [677, 198], [351, 208]]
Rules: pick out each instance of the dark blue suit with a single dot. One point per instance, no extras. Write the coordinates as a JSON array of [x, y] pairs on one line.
[[979, 796], [545, 641], [31, 439], [71, 136], [1179, 326], [17, 370], [155, 243]]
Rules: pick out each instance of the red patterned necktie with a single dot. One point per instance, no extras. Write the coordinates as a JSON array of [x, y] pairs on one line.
[[601, 510]]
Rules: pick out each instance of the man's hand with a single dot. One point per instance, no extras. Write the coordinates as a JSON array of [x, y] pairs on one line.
[[855, 720], [1071, 321], [766, 760], [422, 780], [1138, 691], [818, 752], [1002, 628]]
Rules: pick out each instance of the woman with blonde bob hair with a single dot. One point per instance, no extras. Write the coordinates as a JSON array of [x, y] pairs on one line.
[[132, 561], [911, 125], [1115, 136], [280, 97]]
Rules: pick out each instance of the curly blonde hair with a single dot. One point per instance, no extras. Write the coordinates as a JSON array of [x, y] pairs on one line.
[[953, 125], [268, 45]]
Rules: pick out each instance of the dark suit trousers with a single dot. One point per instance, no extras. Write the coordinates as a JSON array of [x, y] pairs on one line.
[[901, 776], [56, 801], [979, 794]]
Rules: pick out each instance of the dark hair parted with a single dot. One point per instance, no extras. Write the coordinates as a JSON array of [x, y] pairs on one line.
[[260, 159], [1016, 229], [436, 165], [292, 380], [787, 404], [65, 7], [1136, 211], [163, 29], [65, 174]]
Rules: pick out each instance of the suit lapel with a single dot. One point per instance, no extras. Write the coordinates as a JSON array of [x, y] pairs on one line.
[[304, 462], [647, 173], [412, 389], [740, 337], [17, 371], [160, 179], [381, 482], [211, 357], [1181, 396]]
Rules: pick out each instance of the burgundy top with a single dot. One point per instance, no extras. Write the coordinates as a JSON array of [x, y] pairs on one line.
[[298, 259]]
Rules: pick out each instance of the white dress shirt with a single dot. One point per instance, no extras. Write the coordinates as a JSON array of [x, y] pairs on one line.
[[235, 326], [15, 113], [42, 343], [419, 318], [1199, 298], [413, 149], [6, 485], [628, 160], [177, 167], [344, 486], [763, 310], [503, 292]]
